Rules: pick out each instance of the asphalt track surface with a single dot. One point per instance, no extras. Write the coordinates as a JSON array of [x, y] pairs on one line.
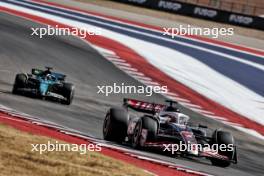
[[19, 52]]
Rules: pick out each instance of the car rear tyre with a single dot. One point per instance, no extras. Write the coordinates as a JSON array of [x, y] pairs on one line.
[[20, 82], [68, 93], [148, 124], [115, 125], [222, 137]]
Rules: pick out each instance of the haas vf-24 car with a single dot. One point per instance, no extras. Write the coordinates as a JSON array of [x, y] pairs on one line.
[[162, 126]]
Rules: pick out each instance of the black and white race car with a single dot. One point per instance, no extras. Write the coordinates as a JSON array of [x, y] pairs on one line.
[[164, 127]]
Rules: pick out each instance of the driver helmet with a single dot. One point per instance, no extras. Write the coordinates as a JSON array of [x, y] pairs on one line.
[[49, 77], [168, 117], [46, 72], [171, 109]]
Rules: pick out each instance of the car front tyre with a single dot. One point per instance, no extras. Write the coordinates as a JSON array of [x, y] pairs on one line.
[[115, 125], [20, 82], [223, 137], [68, 93]]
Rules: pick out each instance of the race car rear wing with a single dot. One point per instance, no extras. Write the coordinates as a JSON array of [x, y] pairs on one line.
[[142, 106]]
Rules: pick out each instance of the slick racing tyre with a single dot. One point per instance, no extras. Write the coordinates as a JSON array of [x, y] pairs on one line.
[[68, 93], [148, 124], [20, 82], [222, 137], [115, 125]]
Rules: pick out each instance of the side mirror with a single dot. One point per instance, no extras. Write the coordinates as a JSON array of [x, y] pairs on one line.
[[202, 126], [35, 71]]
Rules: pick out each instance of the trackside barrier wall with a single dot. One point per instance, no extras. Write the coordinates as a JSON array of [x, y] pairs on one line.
[[200, 12]]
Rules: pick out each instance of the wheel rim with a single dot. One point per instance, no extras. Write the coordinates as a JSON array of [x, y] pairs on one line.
[[106, 125], [72, 93], [137, 134]]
